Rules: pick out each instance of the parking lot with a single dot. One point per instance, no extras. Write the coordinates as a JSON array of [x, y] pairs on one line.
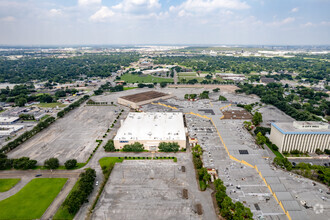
[[71, 137], [243, 182], [153, 189], [272, 114]]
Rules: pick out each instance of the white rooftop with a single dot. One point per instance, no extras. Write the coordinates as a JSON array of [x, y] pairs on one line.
[[152, 126], [8, 119]]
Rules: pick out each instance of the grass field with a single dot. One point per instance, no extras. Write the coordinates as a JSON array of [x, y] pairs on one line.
[[129, 88], [51, 105], [32, 201], [7, 184], [187, 74], [130, 78], [106, 161]]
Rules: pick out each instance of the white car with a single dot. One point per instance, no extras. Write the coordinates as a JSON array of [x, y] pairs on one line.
[[97, 183]]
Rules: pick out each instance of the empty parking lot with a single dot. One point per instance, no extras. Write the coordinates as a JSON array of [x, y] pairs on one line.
[[71, 137]]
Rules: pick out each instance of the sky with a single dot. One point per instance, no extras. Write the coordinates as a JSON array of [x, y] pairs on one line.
[[219, 22]]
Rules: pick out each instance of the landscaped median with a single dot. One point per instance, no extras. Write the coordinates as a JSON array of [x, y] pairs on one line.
[[7, 184], [32, 201]]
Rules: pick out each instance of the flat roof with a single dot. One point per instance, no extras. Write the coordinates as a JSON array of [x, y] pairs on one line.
[[144, 96], [289, 128], [8, 119], [157, 126]]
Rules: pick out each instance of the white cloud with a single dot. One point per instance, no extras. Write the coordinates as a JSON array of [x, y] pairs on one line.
[[55, 12], [8, 19], [283, 22], [205, 6], [89, 2], [326, 23], [294, 10], [102, 15], [137, 6], [308, 24]]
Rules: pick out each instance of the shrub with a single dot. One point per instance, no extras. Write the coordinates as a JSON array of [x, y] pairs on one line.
[[169, 146], [136, 147], [109, 146], [52, 163], [70, 164]]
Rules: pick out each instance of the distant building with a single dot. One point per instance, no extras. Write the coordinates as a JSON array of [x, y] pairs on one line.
[[150, 129], [8, 130], [158, 71], [8, 120], [266, 80], [300, 135]]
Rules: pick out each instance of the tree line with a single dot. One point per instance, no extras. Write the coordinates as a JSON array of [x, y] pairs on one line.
[[63, 70]]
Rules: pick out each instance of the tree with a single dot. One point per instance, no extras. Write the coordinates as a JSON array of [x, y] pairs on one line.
[[204, 95], [109, 146], [52, 163], [318, 151], [20, 101], [168, 147], [70, 164], [163, 84], [261, 139], [222, 98], [216, 90], [136, 147], [257, 118]]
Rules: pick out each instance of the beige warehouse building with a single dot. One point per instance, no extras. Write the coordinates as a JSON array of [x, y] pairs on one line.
[[303, 136], [150, 129], [136, 100]]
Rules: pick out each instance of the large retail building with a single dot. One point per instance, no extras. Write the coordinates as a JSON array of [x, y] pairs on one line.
[[151, 128], [300, 135]]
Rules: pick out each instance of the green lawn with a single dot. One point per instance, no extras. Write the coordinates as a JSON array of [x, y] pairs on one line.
[[187, 74], [7, 184], [32, 201], [130, 78], [44, 117], [129, 88], [51, 105], [106, 161], [277, 154]]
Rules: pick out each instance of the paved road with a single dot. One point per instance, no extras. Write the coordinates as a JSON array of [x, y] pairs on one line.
[[175, 78]]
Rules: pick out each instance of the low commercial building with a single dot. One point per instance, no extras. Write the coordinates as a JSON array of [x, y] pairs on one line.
[[300, 135], [136, 100], [8, 130], [150, 129], [8, 120], [266, 80]]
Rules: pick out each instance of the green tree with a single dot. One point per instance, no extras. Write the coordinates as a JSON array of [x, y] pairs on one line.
[[169, 146], [52, 163], [70, 164], [257, 118], [109, 146], [163, 84], [261, 139], [222, 98], [20, 101], [136, 147]]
